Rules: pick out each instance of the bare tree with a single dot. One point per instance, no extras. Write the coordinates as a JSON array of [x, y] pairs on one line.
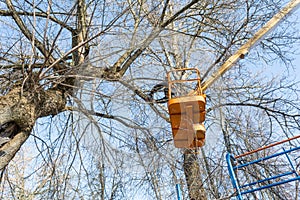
[[75, 85]]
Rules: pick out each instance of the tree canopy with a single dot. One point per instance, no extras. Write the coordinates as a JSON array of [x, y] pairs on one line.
[[77, 117]]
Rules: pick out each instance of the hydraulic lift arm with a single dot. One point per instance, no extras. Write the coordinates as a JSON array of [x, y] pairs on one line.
[[241, 52]]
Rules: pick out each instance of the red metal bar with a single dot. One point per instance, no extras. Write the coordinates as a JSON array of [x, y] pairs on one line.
[[265, 147]]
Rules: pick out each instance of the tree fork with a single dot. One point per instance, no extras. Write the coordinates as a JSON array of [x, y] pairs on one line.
[[23, 109]]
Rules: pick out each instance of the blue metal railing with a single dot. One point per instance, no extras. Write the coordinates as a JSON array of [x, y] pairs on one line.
[[240, 190], [178, 191], [268, 157], [230, 159], [267, 179]]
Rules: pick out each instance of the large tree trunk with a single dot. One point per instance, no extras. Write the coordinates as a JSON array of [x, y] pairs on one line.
[[23, 105], [19, 111], [193, 178]]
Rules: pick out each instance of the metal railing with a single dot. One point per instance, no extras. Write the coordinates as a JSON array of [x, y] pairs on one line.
[[235, 163]]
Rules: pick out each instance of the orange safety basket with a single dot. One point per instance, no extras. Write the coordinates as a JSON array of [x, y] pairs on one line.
[[186, 109]]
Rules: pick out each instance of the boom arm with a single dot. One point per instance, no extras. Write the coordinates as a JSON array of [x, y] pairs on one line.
[[251, 42]]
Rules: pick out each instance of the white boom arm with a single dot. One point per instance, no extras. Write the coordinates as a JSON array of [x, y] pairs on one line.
[[292, 5]]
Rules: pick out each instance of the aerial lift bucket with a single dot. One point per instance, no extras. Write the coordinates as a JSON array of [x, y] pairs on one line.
[[186, 108]]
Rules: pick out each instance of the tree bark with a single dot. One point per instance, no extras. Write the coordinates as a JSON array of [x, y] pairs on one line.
[[23, 108], [193, 177]]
